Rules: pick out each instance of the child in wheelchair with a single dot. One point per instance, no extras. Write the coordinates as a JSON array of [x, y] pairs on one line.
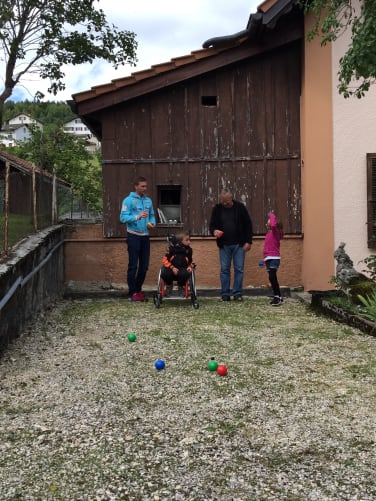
[[177, 262]]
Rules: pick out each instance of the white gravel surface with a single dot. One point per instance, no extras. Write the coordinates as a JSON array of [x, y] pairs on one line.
[[84, 415]]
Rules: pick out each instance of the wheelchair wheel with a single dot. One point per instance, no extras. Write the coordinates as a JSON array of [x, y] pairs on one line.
[[192, 287], [195, 304], [157, 300]]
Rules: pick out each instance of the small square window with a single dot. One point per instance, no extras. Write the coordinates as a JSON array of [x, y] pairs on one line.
[[169, 204], [210, 101]]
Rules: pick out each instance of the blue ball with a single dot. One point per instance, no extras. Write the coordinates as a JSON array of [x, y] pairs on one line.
[[159, 364], [261, 263]]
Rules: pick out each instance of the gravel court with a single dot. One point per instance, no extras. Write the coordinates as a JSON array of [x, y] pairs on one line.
[[84, 415]]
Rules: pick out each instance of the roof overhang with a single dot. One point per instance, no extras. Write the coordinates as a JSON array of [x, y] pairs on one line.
[[27, 167], [267, 29]]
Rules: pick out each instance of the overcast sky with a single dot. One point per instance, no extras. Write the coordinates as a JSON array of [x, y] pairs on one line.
[[164, 30]]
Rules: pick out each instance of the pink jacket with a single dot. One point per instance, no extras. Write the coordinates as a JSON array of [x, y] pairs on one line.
[[272, 239]]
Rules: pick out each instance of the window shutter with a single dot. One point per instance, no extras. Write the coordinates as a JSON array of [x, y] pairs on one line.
[[371, 199]]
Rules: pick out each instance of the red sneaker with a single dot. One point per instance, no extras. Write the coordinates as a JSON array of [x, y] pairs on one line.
[[141, 296]]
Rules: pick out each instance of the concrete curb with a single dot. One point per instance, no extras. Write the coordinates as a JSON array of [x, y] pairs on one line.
[[80, 290]]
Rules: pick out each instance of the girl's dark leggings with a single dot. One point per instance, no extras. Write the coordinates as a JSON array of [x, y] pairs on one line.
[[274, 282]]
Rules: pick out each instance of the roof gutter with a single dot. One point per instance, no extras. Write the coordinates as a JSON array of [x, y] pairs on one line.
[[253, 27], [256, 24]]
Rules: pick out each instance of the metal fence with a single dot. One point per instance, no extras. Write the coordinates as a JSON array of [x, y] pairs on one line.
[[72, 207], [30, 199]]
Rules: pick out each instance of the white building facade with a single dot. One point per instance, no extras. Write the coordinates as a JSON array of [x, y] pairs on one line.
[[80, 130], [354, 136]]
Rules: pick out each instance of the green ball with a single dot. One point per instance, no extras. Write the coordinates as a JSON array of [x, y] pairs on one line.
[[213, 365], [132, 337]]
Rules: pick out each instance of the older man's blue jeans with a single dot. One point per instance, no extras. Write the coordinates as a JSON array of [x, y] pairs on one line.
[[229, 254]]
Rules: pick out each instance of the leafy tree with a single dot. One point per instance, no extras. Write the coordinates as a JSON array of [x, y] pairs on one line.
[[358, 65], [56, 151], [41, 36]]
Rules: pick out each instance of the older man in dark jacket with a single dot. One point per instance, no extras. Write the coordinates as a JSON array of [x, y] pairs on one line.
[[231, 224]]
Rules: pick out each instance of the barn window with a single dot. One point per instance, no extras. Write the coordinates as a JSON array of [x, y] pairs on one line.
[[169, 204], [209, 100], [371, 199]]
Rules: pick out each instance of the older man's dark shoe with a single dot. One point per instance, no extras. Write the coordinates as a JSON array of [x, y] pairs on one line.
[[225, 298]]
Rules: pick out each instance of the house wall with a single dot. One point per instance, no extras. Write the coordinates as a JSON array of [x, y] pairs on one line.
[[317, 165], [249, 142], [22, 119], [353, 137], [337, 134], [77, 127], [88, 257], [22, 133]]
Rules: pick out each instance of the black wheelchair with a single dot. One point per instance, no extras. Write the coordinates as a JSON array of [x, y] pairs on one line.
[[187, 291]]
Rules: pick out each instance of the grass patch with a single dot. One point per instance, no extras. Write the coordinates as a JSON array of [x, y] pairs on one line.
[[291, 417], [367, 369]]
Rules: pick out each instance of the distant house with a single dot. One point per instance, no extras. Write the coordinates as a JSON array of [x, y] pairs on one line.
[[17, 129], [77, 128], [7, 139], [21, 134], [22, 120]]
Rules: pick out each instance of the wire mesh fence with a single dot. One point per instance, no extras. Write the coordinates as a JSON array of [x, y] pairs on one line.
[[71, 207], [30, 200]]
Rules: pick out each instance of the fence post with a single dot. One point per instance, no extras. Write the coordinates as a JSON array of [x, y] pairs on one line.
[[34, 194], [6, 208], [54, 199]]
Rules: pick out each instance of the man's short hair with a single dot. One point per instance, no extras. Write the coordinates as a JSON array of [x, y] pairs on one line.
[[140, 179], [226, 192]]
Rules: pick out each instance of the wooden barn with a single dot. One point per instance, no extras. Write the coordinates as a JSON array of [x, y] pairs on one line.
[[227, 116], [257, 112], [224, 116]]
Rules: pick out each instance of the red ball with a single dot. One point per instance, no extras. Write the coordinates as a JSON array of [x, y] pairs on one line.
[[222, 370]]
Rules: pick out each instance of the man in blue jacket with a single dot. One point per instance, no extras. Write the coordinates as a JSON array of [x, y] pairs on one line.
[[137, 214]]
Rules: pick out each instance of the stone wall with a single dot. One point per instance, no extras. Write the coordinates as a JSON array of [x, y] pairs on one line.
[[90, 257], [30, 279]]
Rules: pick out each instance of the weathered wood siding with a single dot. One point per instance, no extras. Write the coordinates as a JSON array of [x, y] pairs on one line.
[[249, 141]]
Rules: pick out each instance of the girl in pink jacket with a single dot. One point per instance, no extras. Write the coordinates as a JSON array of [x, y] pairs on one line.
[[272, 255]]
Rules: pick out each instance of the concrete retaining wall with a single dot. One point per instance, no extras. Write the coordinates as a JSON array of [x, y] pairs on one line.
[[30, 280]]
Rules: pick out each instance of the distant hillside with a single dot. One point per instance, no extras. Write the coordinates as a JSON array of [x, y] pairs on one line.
[[50, 113]]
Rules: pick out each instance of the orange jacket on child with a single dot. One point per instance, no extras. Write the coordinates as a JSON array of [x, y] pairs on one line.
[[178, 256]]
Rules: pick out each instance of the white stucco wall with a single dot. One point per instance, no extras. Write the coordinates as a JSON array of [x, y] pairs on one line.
[[354, 135]]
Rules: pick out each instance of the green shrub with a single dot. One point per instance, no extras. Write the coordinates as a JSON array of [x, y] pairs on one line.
[[369, 303], [362, 286]]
